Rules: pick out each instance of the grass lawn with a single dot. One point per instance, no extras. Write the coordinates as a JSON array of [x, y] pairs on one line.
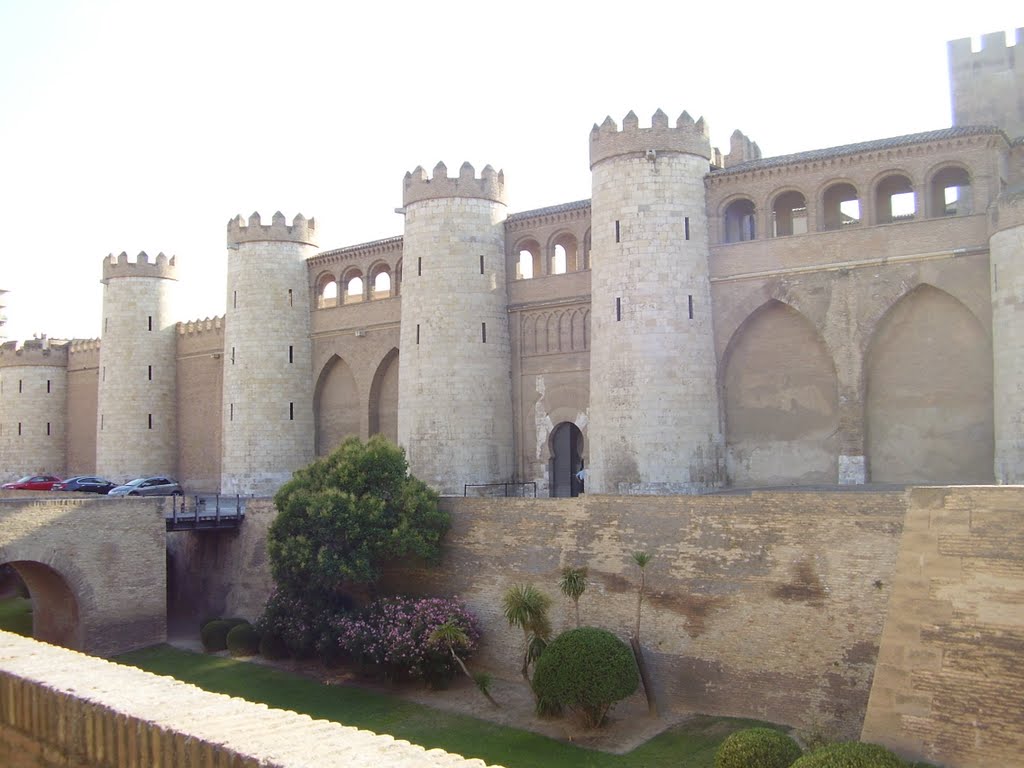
[[16, 615], [690, 745]]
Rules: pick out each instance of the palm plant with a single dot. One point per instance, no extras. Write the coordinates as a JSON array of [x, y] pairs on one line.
[[641, 559], [452, 636], [573, 583], [526, 607]]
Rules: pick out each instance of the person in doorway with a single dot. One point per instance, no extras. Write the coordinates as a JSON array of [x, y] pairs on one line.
[[581, 478]]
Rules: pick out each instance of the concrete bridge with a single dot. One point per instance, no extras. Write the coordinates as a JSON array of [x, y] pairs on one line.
[[96, 570]]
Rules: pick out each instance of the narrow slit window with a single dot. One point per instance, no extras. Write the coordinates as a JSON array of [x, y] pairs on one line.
[[291, 411], [101, 421], [483, 332], [291, 298], [48, 386], [616, 230], [291, 353], [419, 266], [151, 373], [104, 373], [689, 300], [231, 412], [686, 227], [47, 428], [234, 299], [232, 355], [21, 386], [151, 322], [150, 420], [417, 333], [19, 429], [618, 309], [481, 263]]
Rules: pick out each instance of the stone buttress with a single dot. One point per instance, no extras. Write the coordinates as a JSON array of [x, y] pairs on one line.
[[137, 420], [654, 415], [455, 390], [268, 429]]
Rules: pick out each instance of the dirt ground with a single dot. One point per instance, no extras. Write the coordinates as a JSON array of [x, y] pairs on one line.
[[628, 725]]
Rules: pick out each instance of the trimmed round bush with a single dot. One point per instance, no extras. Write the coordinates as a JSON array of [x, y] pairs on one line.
[[243, 640], [215, 635], [273, 647], [757, 748], [850, 754], [585, 669]]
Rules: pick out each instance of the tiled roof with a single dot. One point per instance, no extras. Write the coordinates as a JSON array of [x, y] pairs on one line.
[[563, 208], [397, 240], [863, 146]]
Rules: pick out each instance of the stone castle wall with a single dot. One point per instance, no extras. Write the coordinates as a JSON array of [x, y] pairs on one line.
[[33, 415]]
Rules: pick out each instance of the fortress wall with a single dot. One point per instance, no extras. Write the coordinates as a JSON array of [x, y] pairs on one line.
[[83, 399], [200, 354], [60, 709], [948, 682]]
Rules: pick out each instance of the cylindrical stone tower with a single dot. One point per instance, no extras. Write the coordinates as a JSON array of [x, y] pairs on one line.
[[1006, 257], [268, 428], [654, 417], [33, 408], [454, 380], [137, 413]]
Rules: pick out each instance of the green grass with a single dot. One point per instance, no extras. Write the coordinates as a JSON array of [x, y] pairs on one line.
[[690, 745], [16, 615]]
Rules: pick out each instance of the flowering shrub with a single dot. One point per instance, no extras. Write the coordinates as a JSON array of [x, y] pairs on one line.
[[392, 635], [295, 622]]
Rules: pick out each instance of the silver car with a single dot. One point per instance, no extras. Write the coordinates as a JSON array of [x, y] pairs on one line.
[[157, 485]]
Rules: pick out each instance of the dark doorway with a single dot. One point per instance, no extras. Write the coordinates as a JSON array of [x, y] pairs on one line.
[[566, 460]]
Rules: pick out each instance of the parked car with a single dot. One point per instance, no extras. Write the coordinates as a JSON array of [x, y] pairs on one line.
[[32, 483], [85, 484], [157, 485]]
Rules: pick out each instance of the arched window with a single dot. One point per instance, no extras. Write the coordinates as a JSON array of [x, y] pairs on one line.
[[789, 215], [895, 199], [380, 281], [558, 261], [528, 262], [353, 282], [326, 292], [566, 255], [950, 193], [840, 206], [739, 221]]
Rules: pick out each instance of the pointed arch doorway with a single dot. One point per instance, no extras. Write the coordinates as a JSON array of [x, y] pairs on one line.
[[566, 460]]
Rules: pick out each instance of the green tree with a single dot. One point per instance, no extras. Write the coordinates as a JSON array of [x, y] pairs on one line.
[[340, 518], [573, 583], [453, 637], [526, 607]]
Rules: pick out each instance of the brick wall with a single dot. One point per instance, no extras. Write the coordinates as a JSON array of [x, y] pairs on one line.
[[949, 678], [60, 709]]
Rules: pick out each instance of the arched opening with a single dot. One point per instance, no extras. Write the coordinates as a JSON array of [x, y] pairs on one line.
[[840, 206], [335, 406], [54, 608], [895, 199], [353, 284], [566, 460], [528, 261], [781, 398], [558, 261], [950, 193], [380, 282], [928, 399], [566, 255], [740, 221], [326, 292], [789, 215], [384, 398]]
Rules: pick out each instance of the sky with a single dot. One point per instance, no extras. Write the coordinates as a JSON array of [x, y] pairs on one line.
[[145, 126]]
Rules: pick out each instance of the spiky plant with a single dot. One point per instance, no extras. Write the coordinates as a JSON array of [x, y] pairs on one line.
[[641, 559], [526, 607], [452, 636], [573, 583]]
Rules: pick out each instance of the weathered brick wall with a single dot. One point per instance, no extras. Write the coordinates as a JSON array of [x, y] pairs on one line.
[[95, 568], [60, 709], [949, 677]]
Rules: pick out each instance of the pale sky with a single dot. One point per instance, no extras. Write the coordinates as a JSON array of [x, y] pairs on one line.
[[128, 126]]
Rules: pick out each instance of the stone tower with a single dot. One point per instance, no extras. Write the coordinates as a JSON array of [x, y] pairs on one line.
[[33, 408], [455, 387], [137, 417], [986, 87], [654, 417], [268, 428]]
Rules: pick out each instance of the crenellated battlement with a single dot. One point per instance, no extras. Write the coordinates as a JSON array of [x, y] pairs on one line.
[[490, 186], [687, 137], [142, 266], [994, 54], [741, 149], [42, 351], [207, 325], [83, 346], [302, 230]]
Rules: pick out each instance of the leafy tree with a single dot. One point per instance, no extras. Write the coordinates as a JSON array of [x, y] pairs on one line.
[[526, 607], [344, 515], [573, 583]]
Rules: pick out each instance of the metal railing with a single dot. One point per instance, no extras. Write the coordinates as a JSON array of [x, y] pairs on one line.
[[518, 489], [201, 518]]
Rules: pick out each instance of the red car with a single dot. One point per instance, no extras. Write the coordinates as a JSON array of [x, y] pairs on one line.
[[32, 483]]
